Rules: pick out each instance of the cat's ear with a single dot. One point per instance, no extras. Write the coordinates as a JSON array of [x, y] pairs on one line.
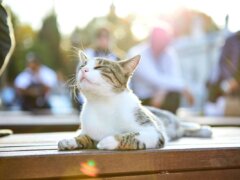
[[130, 65], [82, 56]]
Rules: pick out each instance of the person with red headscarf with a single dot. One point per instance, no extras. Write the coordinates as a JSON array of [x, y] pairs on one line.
[[157, 80]]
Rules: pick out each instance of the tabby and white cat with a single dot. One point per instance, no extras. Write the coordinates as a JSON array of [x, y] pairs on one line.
[[113, 117]]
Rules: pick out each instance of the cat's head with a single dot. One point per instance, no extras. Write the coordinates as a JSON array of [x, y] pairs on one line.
[[102, 77]]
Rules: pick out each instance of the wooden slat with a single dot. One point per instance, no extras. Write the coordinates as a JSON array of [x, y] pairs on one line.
[[39, 120], [34, 138], [28, 148], [13, 119], [27, 120], [223, 174], [214, 121], [28, 123], [40, 147], [228, 135], [222, 138], [68, 164]]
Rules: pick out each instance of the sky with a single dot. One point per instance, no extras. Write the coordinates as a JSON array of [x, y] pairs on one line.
[[72, 13]]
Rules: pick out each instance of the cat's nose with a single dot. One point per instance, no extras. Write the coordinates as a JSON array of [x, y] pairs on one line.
[[85, 69]]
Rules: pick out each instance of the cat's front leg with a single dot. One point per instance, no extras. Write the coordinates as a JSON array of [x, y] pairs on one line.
[[68, 144], [133, 141], [127, 141], [79, 142]]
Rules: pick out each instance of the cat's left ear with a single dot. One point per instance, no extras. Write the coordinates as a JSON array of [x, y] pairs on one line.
[[82, 56], [130, 64]]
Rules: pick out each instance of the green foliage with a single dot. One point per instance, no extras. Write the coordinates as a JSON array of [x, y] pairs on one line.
[[45, 43], [48, 42]]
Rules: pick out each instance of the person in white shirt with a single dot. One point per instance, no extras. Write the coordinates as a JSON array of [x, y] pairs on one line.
[[34, 84], [157, 81]]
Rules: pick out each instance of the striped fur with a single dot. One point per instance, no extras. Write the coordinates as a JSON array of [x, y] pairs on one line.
[[128, 141], [85, 142], [142, 117], [114, 73]]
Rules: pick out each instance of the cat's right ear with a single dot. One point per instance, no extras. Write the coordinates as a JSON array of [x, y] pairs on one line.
[[82, 56], [130, 64]]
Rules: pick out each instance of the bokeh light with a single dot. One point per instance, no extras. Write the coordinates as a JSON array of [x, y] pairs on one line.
[[89, 168]]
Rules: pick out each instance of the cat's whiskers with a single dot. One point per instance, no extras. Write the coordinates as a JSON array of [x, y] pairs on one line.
[[72, 52], [73, 86]]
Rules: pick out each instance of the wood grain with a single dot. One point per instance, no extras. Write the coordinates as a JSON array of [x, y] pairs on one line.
[[225, 174], [36, 156], [28, 123]]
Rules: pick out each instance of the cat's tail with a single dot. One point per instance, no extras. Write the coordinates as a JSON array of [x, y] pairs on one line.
[[191, 129]]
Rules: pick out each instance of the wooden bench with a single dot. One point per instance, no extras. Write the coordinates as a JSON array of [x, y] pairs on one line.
[[28, 123], [31, 156]]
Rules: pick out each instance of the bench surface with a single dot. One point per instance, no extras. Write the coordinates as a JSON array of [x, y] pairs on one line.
[[28, 123], [36, 156]]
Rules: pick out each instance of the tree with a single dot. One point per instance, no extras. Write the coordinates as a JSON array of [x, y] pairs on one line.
[[120, 29], [48, 43]]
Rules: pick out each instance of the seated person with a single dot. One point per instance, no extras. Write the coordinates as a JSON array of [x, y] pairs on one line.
[[157, 80], [101, 45], [34, 84], [224, 87]]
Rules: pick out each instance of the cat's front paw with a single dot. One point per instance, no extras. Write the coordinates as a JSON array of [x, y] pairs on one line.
[[68, 144], [109, 143]]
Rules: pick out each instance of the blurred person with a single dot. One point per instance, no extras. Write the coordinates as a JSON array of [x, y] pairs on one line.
[[224, 85], [8, 97], [157, 80], [102, 45], [34, 84]]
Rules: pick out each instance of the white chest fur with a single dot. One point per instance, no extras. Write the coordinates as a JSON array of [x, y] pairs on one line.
[[111, 116]]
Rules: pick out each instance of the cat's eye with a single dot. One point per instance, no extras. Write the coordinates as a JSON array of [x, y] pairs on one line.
[[82, 65], [98, 67]]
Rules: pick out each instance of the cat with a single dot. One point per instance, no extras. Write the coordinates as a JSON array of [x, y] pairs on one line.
[[113, 118]]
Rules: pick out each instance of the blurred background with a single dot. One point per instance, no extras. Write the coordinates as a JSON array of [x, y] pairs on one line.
[[49, 32]]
